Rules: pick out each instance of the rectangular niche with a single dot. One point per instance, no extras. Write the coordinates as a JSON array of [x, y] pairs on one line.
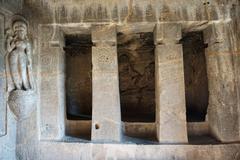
[[136, 76], [78, 77], [195, 75], [196, 88]]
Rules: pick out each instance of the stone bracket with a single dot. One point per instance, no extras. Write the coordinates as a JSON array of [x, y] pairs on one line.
[[167, 33], [104, 35]]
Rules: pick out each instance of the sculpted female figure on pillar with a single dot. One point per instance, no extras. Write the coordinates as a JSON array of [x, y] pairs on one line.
[[18, 58], [20, 83]]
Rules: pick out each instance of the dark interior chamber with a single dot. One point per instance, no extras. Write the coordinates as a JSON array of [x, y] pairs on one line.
[[195, 74], [78, 77], [136, 76]]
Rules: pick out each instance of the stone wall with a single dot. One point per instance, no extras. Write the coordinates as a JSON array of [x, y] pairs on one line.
[[43, 135], [13, 6], [130, 11]]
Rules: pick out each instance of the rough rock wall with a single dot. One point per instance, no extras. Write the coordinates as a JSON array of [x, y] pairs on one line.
[[136, 76], [13, 6], [123, 12]]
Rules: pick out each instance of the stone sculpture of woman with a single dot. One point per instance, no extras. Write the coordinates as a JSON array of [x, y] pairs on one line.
[[20, 84], [18, 58]]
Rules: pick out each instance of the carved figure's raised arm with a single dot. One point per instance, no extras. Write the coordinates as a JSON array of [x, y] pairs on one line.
[[10, 45]]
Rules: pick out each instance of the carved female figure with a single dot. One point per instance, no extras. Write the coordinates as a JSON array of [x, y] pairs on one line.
[[18, 58]]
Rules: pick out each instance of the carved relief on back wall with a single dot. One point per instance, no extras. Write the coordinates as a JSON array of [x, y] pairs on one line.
[[136, 76]]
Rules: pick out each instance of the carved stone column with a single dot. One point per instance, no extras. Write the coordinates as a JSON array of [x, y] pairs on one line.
[[106, 113], [169, 84], [221, 56], [52, 83]]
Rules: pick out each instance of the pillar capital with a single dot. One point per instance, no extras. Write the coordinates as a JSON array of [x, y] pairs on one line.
[[220, 37], [167, 33], [104, 35], [215, 33]]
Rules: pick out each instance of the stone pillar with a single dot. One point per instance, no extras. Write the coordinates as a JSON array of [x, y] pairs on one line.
[[106, 113], [223, 114], [3, 105], [52, 83], [169, 84]]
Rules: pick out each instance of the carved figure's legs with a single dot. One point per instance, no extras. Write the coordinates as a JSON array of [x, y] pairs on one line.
[[13, 64], [23, 71]]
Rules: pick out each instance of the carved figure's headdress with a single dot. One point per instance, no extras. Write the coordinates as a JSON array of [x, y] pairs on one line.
[[19, 26], [19, 23]]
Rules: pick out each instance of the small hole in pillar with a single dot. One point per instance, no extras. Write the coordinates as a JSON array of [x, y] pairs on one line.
[[97, 126]]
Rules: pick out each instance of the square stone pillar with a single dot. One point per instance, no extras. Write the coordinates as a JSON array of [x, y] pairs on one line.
[[106, 112], [52, 83], [223, 62], [169, 84]]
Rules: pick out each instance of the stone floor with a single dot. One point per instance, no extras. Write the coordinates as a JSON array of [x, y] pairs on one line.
[[88, 151]]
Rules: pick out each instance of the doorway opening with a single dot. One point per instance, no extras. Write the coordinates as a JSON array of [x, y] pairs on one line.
[[136, 77], [196, 88], [137, 84], [78, 83], [78, 77], [195, 74]]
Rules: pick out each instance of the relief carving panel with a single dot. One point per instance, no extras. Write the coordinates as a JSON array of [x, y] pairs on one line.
[[136, 76]]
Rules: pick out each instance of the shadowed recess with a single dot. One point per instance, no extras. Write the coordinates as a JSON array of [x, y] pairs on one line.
[[195, 73], [136, 77], [78, 76]]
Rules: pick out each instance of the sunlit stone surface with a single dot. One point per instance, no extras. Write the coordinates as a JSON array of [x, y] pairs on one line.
[[119, 79]]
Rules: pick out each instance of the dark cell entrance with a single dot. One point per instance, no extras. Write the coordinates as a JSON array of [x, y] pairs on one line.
[[78, 77], [136, 77], [195, 72]]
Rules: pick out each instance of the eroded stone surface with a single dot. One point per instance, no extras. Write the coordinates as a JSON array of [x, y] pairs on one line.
[[223, 107], [42, 135], [136, 76], [170, 97]]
